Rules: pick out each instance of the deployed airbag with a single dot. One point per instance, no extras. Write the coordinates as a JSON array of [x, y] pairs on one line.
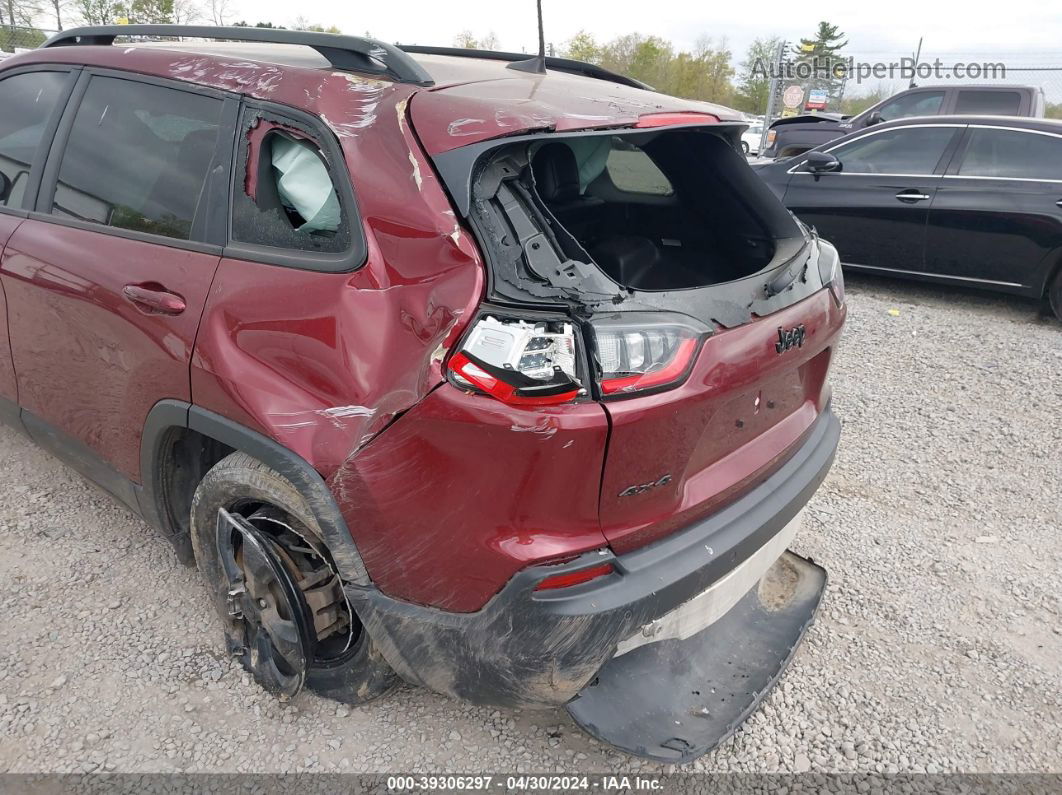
[[304, 185]]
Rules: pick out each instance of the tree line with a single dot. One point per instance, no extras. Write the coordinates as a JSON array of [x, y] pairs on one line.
[[705, 72]]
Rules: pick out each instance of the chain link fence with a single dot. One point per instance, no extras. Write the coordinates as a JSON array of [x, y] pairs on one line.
[[14, 39]]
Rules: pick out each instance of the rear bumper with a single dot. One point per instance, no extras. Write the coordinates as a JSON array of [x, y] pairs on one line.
[[539, 648]]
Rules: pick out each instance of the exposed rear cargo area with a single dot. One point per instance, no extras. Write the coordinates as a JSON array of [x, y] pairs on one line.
[[656, 211]]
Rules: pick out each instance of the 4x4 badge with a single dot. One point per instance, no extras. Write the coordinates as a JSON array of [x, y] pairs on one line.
[[787, 338], [630, 491]]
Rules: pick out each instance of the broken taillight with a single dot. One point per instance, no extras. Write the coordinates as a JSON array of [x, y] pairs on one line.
[[674, 119], [571, 578], [520, 362], [642, 353]]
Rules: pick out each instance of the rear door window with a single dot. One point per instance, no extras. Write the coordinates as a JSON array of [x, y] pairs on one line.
[[138, 157], [911, 150], [285, 192], [988, 103], [922, 103], [27, 102], [1008, 153], [633, 171]]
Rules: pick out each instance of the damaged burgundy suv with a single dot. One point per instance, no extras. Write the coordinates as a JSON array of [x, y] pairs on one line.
[[505, 377]]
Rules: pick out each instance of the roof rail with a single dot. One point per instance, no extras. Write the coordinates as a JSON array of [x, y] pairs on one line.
[[556, 64], [352, 53]]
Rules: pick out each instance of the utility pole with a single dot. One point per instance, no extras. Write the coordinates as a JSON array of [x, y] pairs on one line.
[[773, 92], [918, 54]]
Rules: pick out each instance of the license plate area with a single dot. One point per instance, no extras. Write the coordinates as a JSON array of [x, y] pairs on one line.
[[710, 605]]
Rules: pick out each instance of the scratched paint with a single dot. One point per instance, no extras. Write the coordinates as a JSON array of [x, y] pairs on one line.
[[416, 171]]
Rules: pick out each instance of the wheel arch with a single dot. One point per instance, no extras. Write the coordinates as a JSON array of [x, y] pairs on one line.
[[1052, 271], [164, 480]]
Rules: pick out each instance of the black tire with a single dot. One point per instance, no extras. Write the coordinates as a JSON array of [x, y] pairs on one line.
[[1054, 294], [745, 148], [358, 675]]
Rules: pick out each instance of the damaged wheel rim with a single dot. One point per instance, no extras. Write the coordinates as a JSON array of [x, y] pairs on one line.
[[332, 620], [269, 622]]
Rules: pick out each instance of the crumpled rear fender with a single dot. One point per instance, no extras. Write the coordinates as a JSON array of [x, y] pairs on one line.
[[322, 362]]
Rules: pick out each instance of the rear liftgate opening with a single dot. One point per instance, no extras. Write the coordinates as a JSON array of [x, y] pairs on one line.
[[607, 222], [286, 609], [674, 700]]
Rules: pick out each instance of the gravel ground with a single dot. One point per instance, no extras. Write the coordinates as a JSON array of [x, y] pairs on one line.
[[938, 647]]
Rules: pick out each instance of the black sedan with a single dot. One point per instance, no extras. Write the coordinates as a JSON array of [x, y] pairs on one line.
[[972, 200]]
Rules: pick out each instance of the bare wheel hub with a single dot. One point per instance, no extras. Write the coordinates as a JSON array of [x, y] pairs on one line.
[[286, 608], [314, 574], [268, 620]]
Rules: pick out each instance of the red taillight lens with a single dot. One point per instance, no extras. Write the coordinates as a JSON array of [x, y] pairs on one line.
[[668, 373], [523, 363], [639, 353], [673, 119], [570, 578]]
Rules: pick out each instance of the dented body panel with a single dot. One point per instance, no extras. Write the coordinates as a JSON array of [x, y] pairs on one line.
[[321, 362], [508, 487]]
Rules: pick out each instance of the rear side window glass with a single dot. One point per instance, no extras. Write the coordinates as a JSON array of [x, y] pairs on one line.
[[988, 103], [910, 150], [923, 103], [27, 102], [1004, 153], [633, 171], [287, 197], [138, 157]]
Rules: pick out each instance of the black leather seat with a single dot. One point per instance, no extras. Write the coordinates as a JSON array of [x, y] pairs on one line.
[[631, 260], [556, 175]]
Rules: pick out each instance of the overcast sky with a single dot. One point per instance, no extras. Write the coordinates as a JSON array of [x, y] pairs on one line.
[[1023, 28]]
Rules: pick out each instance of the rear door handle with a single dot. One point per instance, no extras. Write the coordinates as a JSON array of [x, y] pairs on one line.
[[153, 299], [912, 195]]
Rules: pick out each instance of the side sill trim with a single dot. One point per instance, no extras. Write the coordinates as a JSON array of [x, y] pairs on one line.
[[84, 459]]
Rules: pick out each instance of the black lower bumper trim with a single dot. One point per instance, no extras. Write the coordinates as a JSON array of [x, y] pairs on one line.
[[675, 700]]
